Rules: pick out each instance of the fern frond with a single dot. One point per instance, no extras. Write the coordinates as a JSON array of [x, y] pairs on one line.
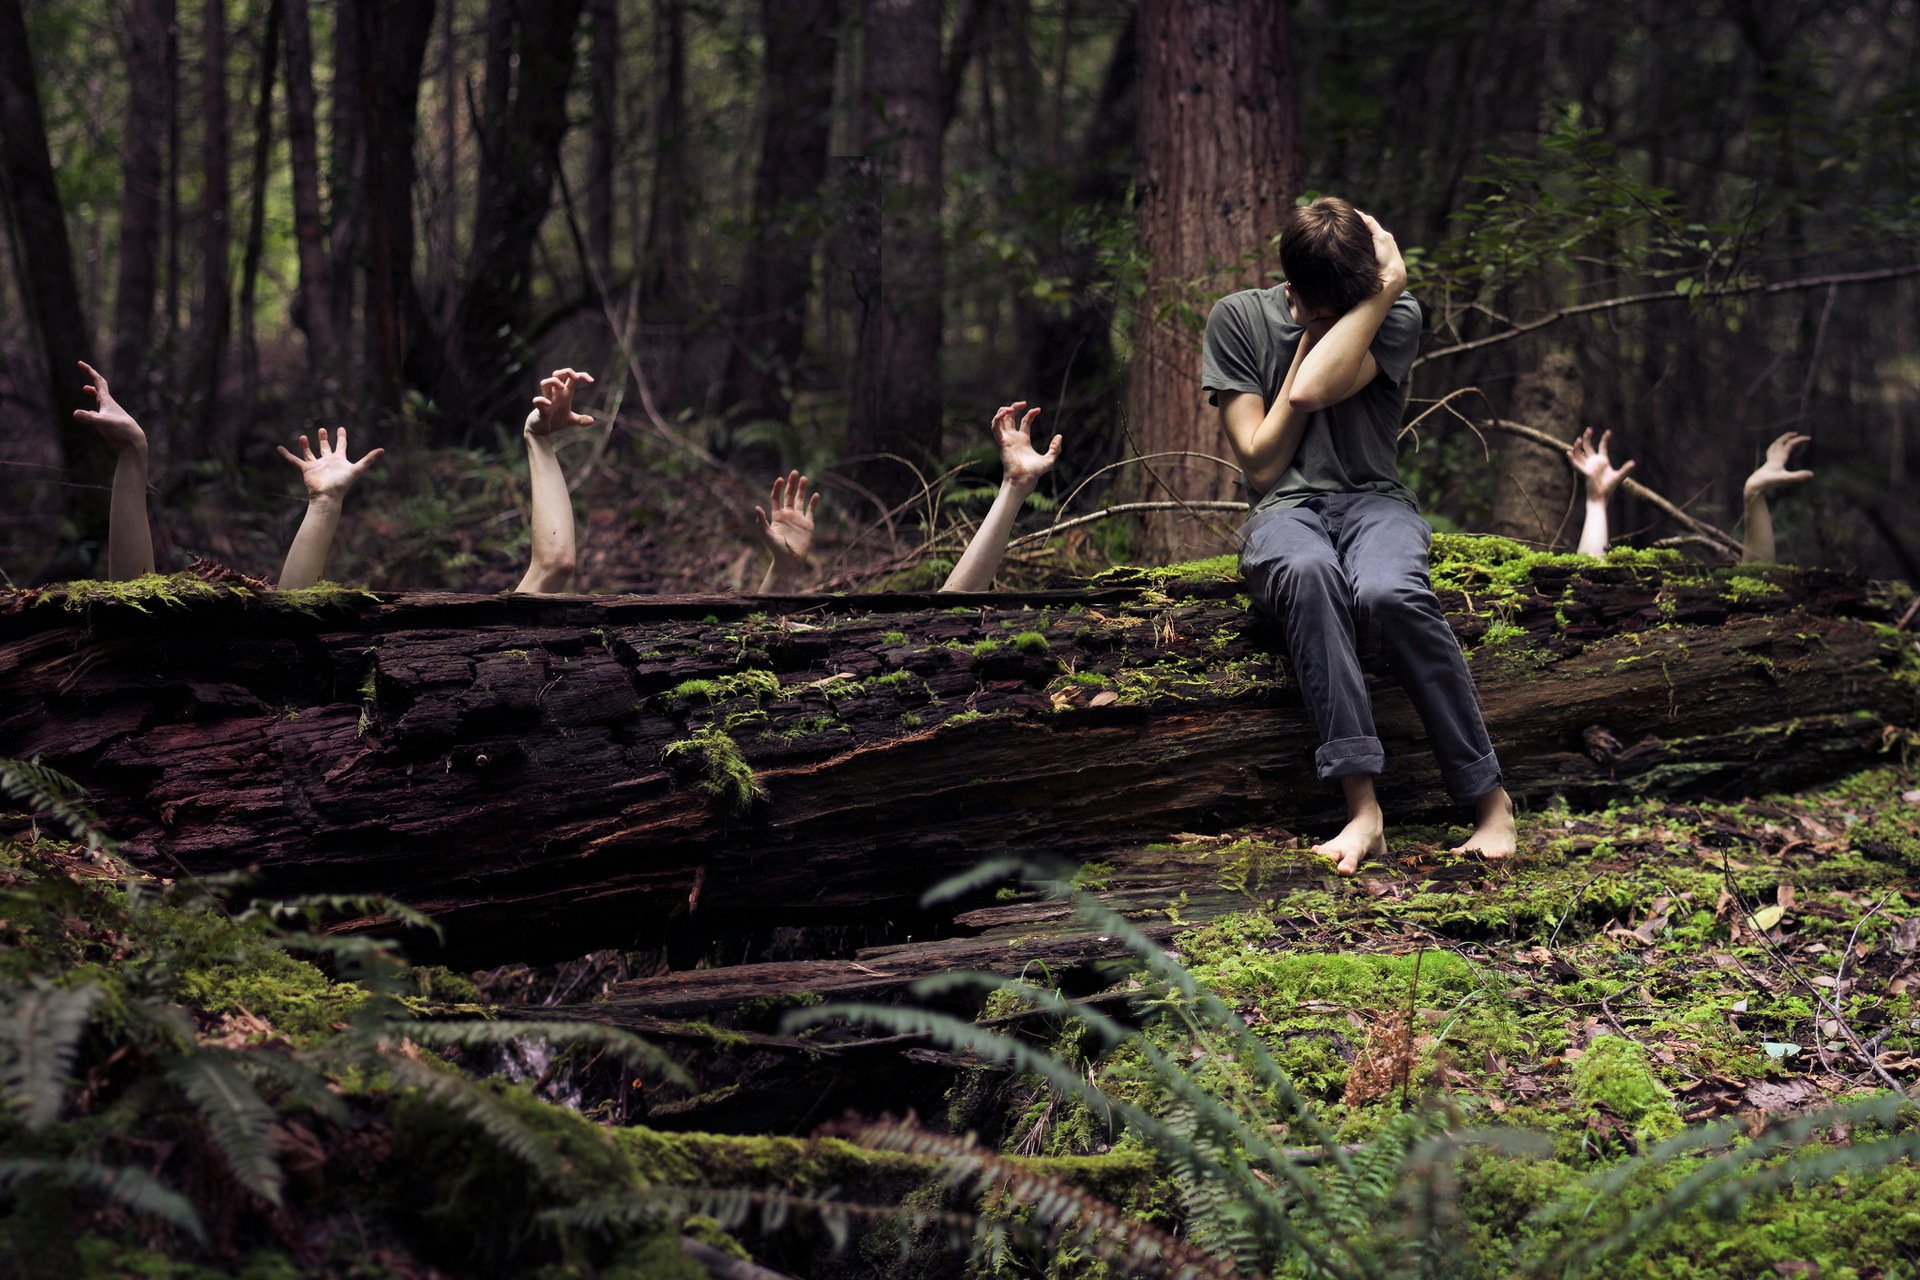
[[133, 1189], [39, 1035], [476, 1105], [369, 908], [49, 791], [306, 1086], [991, 872], [629, 1048], [238, 1118]]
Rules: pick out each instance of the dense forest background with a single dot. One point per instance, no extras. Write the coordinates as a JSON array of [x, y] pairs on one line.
[[834, 234]]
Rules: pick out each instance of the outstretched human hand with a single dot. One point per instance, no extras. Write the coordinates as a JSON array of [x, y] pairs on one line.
[[553, 407], [788, 529], [114, 423], [1773, 474], [1386, 252], [329, 475], [1021, 465], [1591, 461]]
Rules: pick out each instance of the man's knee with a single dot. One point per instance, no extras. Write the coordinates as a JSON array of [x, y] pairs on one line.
[[1386, 598]]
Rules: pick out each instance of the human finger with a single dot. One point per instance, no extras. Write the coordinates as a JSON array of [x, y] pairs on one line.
[[779, 491], [287, 454], [1026, 423], [90, 417], [373, 455], [541, 402], [306, 450], [1623, 468], [581, 375], [324, 448], [582, 419], [764, 522], [1053, 450], [1797, 476], [340, 441], [93, 374], [800, 491], [813, 502]]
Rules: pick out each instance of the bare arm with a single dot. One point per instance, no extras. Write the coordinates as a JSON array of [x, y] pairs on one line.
[[1771, 474], [1603, 478], [129, 538], [328, 477], [1264, 439], [788, 533], [1342, 363], [552, 564], [1021, 468]]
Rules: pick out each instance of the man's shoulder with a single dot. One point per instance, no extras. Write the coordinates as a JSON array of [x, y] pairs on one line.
[[1265, 303]]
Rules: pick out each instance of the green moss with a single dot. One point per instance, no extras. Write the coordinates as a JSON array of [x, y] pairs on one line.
[[1500, 633], [1744, 587], [893, 637], [983, 648], [1031, 642], [1616, 1073], [172, 590], [724, 773]]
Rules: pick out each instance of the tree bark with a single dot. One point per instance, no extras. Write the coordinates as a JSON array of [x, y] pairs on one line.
[[43, 259], [511, 207], [215, 232], [1218, 169], [770, 318], [551, 776], [314, 311], [346, 171], [663, 268], [896, 401], [1532, 488], [257, 206], [149, 94], [603, 85]]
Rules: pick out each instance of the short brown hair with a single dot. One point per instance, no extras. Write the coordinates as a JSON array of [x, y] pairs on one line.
[[1327, 254]]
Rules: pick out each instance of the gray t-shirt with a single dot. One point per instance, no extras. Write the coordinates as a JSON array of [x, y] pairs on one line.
[[1348, 447]]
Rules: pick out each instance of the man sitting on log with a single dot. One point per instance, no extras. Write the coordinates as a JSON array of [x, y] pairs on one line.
[[1310, 378]]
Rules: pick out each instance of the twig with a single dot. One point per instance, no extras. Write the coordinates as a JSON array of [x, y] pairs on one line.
[[1907, 617], [1124, 508]]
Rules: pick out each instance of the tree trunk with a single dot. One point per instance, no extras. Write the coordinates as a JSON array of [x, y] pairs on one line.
[[257, 210], [896, 402], [603, 84], [313, 312], [663, 264], [1218, 169], [149, 91], [511, 207], [346, 171], [43, 259], [551, 776], [215, 233], [770, 319], [1533, 489]]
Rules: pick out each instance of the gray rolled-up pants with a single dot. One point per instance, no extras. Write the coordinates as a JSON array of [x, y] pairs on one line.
[[1344, 570]]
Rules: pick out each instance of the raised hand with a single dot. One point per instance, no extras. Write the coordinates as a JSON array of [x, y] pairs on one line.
[[1021, 465], [1773, 474], [553, 407], [788, 529], [1591, 461], [329, 474], [114, 423], [1386, 252]]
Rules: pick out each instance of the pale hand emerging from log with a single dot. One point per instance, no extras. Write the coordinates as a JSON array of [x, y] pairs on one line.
[[788, 533], [129, 539], [551, 569], [328, 476], [1591, 461], [1021, 466], [1771, 474]]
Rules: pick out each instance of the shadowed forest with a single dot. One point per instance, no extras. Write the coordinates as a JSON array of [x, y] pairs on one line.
[[496, 846]]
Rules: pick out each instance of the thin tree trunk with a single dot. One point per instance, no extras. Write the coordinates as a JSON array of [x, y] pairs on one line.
[[1218, 170], [314, 313], [171, 331], [770, 322], [257, 212], [603, 76], [1533, 488], [215, 233], [346, 171], [43, 258], [445, 270], [664, 273], [149, 91], [899, 411]]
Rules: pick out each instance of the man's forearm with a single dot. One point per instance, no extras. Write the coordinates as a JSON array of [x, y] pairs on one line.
[[307, 557], [1328, 373], [981, 560], [129, 539], [1593, 534], [551, 521], [1758, 543]]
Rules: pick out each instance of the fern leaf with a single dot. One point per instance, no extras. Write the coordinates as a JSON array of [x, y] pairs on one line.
[[133, 1189], [48, 791], [624, 1045], [239, 1120], [42, 1033], [473, 1103]]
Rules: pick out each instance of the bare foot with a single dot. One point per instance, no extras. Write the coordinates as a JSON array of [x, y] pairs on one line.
[[1494, 836], [1363, 837]]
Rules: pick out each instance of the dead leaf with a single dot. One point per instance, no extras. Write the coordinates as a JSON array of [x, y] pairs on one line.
[[1906, 936], [1784, 894], [1105, 698], [1782, 1095], [1767, 917]]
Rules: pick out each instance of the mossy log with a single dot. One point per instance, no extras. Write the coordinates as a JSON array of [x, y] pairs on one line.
[[548, 776]]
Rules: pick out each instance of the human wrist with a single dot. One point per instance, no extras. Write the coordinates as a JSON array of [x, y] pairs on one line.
[[1019, 486]]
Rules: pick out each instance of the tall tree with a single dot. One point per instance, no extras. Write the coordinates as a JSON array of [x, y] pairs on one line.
[[663, 273], [1533, 489], [896, 398], [525, 138], [215, 233], [769, 326], [603, 83], [257, 202], [346, 151], [1218, 169], [314, 314], [149, 94], [43, 258]]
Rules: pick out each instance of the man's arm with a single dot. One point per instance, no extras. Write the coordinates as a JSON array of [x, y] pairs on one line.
[[1342, 363], [1264, 439], [788, 533], [1021, 468], [129, 539], [551, 568], [1603, 478], [328, 477], [1771, 474]]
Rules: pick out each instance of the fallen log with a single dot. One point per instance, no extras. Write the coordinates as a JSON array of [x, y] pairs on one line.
[[549, 776]]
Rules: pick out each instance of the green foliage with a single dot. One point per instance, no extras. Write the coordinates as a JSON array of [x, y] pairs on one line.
[[723, 773], [1614, 1073]]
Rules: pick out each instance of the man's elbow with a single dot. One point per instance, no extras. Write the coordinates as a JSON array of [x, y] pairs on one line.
[[1308, 399]]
